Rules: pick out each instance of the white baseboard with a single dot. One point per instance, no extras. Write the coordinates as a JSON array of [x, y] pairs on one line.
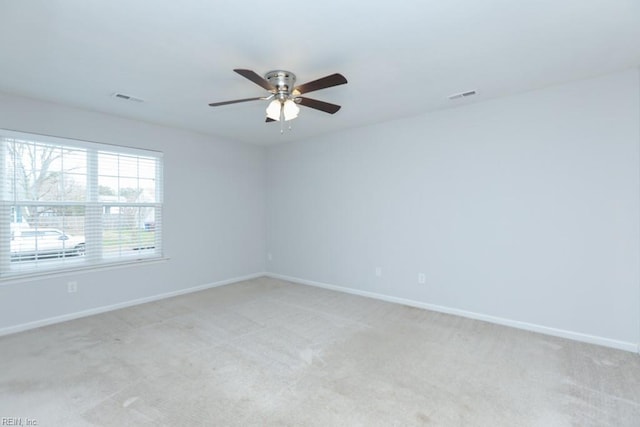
[[63, 318], [576, 336]]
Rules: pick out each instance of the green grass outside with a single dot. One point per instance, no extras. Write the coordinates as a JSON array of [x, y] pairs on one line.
[[128, 239]]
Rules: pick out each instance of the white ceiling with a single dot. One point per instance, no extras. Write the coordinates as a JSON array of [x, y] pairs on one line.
[[401, 57]]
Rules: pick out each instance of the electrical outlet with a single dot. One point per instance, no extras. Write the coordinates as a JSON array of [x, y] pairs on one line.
[[378, 271], [422, 278], [72, 287]]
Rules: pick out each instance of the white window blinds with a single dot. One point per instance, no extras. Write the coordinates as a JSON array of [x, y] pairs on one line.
[[68, 204]]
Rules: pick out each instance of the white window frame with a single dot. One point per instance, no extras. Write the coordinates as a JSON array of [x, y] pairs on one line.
[[94, 208]]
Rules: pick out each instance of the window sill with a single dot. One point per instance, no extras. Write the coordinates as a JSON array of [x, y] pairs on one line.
[[17, 278]]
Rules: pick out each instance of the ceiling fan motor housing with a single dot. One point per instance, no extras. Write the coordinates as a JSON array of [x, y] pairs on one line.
[[284, 82]]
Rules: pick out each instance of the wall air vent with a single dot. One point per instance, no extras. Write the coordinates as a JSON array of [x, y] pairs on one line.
[[463, 94], [127, 97]]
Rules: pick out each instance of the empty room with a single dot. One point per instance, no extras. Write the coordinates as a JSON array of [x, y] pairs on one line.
[[320, 213]]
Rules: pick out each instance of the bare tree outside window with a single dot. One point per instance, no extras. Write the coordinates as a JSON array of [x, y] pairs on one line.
[[41, 174]]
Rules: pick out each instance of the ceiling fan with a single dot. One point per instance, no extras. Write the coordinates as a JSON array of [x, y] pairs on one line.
[[284, 96]]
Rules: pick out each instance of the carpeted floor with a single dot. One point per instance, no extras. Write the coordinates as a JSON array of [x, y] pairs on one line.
[[268, 352]]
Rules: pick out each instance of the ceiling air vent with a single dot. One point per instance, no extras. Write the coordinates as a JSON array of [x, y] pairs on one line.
[[127, 97], [463, 94]]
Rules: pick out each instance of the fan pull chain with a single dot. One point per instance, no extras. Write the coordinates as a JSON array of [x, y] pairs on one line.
[[281, 117]]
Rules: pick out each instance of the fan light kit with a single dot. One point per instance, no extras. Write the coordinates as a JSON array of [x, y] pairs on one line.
[[285, 97], [288, 109]]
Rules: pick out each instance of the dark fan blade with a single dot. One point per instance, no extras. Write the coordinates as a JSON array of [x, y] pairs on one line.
[[251, 75], [319, 105], [235, 101], [324, 82], [269, 120]]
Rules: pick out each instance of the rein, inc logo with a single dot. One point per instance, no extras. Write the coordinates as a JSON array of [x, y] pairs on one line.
[[18, 421]]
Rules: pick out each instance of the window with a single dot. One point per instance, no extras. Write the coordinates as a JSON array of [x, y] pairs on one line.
[[67, 204]]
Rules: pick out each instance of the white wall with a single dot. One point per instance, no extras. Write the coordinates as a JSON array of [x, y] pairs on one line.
[[521, 209], [213, 214]]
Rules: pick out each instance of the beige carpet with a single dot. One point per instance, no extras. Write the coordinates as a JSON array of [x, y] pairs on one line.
[[268, 352]]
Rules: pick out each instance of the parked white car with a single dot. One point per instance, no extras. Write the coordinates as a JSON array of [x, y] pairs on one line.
[[31, 243]]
